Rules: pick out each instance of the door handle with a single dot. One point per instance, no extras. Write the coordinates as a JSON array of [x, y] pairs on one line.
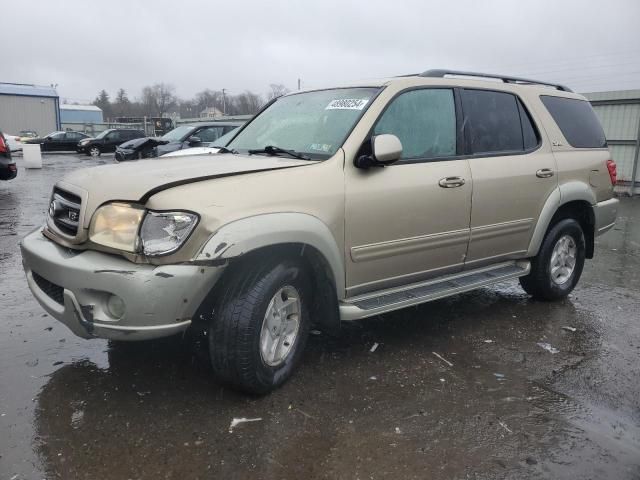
[[451, 182], [544, 173]]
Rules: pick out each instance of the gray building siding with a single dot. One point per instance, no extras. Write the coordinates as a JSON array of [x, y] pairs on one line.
[[22, 112], [619, 113]]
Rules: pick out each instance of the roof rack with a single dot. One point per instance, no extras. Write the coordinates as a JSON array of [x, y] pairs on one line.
[[438, 73]]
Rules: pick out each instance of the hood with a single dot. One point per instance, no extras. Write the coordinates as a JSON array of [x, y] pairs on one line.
[[138, 181], [142, 143], [192, 151]]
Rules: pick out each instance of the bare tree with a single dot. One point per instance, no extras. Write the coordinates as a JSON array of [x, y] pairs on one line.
[[246, 103], [208, 98], [159, 98], [276, 90]]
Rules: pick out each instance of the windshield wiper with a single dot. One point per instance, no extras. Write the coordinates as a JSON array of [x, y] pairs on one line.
[[226, 150], [273, 150]]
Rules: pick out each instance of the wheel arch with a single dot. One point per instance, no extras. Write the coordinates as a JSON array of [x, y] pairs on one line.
[[570, 200], [293, 235]]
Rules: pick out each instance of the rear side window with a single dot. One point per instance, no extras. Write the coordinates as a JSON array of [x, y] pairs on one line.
[[577, 121], [497, 122], [424, 121]]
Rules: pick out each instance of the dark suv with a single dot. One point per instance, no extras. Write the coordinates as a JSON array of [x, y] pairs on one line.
[[8, 168], [108, 140]]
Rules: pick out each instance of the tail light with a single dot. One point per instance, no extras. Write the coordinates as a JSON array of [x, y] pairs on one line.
[[613, 171], [12, 167], [3, 146]]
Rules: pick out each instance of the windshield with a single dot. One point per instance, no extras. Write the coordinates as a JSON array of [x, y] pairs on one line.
[[177, 134], [312, 123]]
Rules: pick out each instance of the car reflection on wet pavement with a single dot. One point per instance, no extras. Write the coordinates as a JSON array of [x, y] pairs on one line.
[[491, 404]]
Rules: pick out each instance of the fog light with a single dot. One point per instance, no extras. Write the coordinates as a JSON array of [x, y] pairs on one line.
[[115, 306]]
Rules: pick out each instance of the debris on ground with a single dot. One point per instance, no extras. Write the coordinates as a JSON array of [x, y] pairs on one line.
[[548, 347], [569, 329], [237, 421], [499, 376], [398, 430], [315, 332], [488, 341], [504, 425], [442, 380], [374, 347], [443, 359], [373, 377]]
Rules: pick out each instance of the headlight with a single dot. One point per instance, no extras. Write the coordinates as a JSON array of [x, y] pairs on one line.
[[164, 232], [116, 225]]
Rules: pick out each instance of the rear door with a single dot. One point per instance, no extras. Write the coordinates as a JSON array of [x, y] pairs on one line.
[[410, 221], [513, 169]]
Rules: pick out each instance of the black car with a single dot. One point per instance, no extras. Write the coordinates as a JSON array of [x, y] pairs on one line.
[[108, 140], [184, 136], [8, 169], [139, 148], [58, 141]]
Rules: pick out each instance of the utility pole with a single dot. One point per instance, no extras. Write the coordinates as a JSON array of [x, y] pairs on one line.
[[298, 84], [224, 102]]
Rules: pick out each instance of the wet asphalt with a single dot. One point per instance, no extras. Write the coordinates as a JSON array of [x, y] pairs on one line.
[[374, 403]]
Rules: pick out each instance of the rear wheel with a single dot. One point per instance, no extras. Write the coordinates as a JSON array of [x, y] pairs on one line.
[[260, 326], [556, 269], [94, 151]]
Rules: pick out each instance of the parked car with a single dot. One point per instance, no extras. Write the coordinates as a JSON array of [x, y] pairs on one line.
[[14, 142], [138, 148], [212, 149], [27, 134], [108, 141], [58, 141], [331, 205], [182, 137], [8, 169]]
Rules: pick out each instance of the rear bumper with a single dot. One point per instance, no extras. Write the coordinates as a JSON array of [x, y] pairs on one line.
[[74, 287], [605, 215]]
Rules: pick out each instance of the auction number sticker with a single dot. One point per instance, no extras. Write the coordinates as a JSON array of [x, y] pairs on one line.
[[347, 104]]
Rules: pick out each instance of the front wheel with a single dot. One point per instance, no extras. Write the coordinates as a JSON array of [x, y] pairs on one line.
[[556, 269], [94, 151], [260, 326]]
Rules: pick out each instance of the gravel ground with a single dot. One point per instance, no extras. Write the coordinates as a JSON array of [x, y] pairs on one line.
[[507, 408]]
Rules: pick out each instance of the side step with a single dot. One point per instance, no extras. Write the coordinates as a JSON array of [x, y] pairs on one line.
[[376, 303]]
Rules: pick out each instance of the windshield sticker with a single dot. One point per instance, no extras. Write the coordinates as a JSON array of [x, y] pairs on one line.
[[320, 147], [347, 104]]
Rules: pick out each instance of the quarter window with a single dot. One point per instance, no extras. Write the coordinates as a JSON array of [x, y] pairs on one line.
[[425, 122], [577, 121]]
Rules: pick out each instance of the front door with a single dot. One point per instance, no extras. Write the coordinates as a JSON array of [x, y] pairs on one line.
[[410, 221], [514, 172]]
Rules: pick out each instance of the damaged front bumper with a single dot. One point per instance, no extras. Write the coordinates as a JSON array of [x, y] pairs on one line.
[[76, 286]]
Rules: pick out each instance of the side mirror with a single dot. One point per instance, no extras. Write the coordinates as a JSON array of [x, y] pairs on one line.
[[193, 140], [386, 149]]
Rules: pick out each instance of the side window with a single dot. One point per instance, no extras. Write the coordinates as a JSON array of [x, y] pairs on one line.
[[209, 134], [492, 121], [58, 136], [577, 121], [425, 122], [115, 135]]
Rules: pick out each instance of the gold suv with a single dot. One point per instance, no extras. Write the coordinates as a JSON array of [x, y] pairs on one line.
[[330, 205]]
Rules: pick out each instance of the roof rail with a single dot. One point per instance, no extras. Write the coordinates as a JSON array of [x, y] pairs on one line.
[[439, 73]]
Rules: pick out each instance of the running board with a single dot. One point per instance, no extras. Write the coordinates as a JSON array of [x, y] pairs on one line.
[[376, 303]]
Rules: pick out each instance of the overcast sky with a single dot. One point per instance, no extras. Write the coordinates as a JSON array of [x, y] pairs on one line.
[[85, 46]]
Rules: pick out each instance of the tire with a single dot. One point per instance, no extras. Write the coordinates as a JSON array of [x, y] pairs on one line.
[[553, 282], [94, 151], [237, 340]]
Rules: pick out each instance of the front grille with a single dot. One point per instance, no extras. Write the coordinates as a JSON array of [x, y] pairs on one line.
[[53, 291], [64, 210]]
